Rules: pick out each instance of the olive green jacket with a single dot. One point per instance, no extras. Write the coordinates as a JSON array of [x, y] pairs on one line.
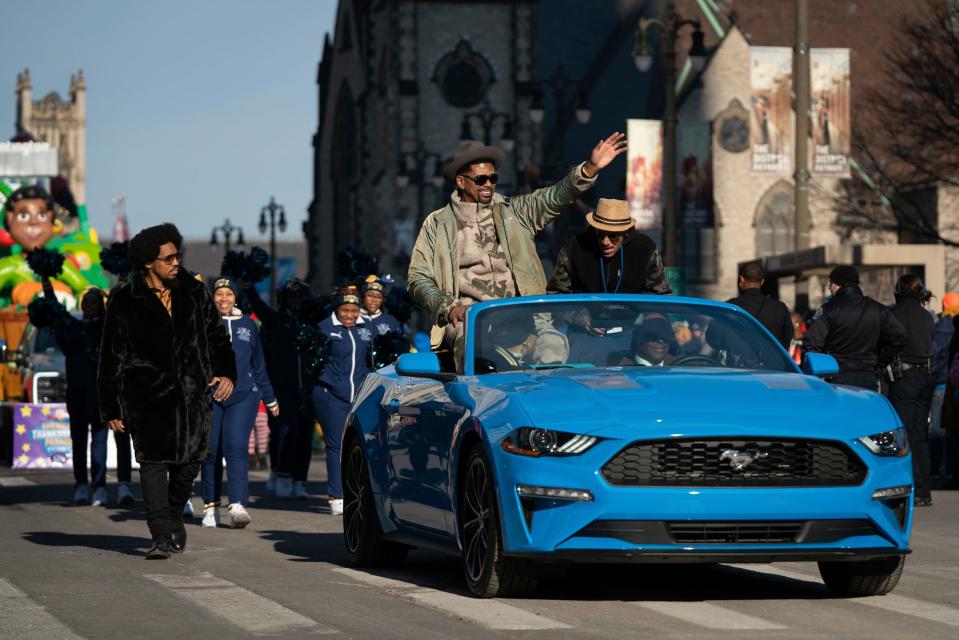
[[432, 280]]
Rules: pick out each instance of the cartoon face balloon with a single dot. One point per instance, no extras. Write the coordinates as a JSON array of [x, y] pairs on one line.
[[30, 223]]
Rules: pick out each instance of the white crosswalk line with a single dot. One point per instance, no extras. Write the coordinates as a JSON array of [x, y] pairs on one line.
[[16, 481], [491, 614], [899, 604], [24, 619], [252, 612], [709, 616]]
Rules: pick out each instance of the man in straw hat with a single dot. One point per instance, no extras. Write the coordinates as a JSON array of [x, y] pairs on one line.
[[480, 246]]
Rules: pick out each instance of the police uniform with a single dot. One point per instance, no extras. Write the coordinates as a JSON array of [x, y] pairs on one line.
[[851, 327]]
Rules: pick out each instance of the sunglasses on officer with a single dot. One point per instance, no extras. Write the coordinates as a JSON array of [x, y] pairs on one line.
[[483, 179]]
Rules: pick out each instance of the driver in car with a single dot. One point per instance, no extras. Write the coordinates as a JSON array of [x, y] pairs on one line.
[[652, 342]]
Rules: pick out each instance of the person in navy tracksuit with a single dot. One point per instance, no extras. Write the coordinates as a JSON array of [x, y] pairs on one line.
[[233, 419], [346, 367], [377, 320]]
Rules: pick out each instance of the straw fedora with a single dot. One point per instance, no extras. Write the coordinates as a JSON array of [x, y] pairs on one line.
[[610, 215], [470, 151]]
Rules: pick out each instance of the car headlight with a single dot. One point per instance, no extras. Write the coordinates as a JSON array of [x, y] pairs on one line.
[[888, 443], [529, 441]]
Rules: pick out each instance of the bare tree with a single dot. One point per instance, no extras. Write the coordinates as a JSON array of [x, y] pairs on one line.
[[908, 129]]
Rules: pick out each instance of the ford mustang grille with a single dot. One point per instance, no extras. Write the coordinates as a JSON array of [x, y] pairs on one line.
[[735, 463]]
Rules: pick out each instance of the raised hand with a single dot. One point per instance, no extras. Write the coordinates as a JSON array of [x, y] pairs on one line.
[[606, 150]]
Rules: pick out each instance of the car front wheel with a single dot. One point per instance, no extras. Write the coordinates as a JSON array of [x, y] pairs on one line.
[[361, 527], [488, 573], [862, 578]]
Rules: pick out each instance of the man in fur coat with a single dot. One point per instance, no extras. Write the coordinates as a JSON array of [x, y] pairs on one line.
[[165, 358]]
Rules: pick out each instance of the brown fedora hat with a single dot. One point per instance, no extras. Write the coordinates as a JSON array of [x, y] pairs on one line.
[[470, 151], [610, 215]]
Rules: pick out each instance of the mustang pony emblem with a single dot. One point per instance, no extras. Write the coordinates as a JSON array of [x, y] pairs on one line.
[[739, 460]]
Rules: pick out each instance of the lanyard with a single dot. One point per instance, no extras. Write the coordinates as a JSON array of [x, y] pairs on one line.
[[619, 278]]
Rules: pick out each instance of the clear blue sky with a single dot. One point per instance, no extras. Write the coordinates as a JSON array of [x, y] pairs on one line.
[[199, 110]]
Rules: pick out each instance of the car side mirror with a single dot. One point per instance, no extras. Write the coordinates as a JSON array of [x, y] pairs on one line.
[[422, 365], [819, 365]]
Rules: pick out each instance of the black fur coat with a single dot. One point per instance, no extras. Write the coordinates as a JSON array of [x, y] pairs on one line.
[[154, 369]]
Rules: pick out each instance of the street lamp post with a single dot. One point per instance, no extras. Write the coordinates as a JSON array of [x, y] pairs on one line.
[[421, 167], [560, 83], [670, 26], [487, 117], [268, 219], [226, 229]]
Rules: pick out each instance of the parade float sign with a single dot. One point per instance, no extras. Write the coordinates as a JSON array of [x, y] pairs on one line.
[[829, 70], [41, 437], [644, 174], [770, 75]]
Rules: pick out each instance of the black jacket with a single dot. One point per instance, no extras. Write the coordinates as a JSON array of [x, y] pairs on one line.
[[771, 313], [154, 368], [920, 329], [851, 327], [578, 267], [79, 340]]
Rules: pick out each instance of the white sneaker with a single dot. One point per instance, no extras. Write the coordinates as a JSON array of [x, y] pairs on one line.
[[299, 490], [99, 497], [271, 482], [336, 506], [124, 495], [81, 494], [188, 509], [284, 486], [239, 517], [211, 517]]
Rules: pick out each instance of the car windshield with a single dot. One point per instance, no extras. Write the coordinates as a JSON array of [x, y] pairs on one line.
[[621, 334]]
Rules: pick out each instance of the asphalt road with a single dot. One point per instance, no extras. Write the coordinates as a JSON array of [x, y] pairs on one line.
[[69, 572]]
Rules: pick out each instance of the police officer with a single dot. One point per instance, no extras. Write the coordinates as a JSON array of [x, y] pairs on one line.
[[850, 327], [909, 371], [771, 313]]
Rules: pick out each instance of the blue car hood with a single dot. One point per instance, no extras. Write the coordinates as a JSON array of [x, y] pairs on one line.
[[634, 402]]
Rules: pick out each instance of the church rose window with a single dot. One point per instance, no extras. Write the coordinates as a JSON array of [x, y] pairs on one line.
[[464, 76]]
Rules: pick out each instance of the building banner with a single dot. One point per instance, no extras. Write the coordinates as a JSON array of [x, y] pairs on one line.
[[829, 80], [644, 175], [771, 121], [41, 437], [695, 174]]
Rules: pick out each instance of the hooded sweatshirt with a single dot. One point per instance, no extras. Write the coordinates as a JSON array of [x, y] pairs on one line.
[[251, 376]]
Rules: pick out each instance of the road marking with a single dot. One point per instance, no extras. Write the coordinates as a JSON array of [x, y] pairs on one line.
[[22, 618], [709, 616], [16, 481], [251, 612], [890, 602], [491, 614]]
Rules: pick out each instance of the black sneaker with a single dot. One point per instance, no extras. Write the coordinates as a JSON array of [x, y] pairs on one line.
[[178, 539], [160, 549], [923, 502]]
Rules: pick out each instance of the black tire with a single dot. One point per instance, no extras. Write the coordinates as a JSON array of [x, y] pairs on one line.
[[862, 578], [488, 574], [361, 527]]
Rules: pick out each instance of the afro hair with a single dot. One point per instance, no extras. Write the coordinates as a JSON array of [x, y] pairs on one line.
[[145, 246]]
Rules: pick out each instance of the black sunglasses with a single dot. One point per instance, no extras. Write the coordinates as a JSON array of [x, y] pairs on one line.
[[481, 180], [612, 235], [173, 256]]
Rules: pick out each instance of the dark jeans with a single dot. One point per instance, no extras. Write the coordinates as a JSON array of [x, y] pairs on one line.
[[166, 488], [82, 424], [291, 438], [863, 379], [230, 439], [911, 395], [331, 413]]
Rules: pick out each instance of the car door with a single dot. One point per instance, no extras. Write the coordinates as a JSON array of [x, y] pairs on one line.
[[420, 424]]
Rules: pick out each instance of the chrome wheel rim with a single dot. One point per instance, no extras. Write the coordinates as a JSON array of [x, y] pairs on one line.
[[477, 514], [354, 494]]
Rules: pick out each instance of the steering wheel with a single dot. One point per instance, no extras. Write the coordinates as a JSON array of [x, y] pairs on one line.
[[678, 362]]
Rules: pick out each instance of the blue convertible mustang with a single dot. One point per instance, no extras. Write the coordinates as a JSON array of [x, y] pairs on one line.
[[623, 428]]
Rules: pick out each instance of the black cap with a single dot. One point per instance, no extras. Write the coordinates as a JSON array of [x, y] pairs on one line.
[[844, 275]]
